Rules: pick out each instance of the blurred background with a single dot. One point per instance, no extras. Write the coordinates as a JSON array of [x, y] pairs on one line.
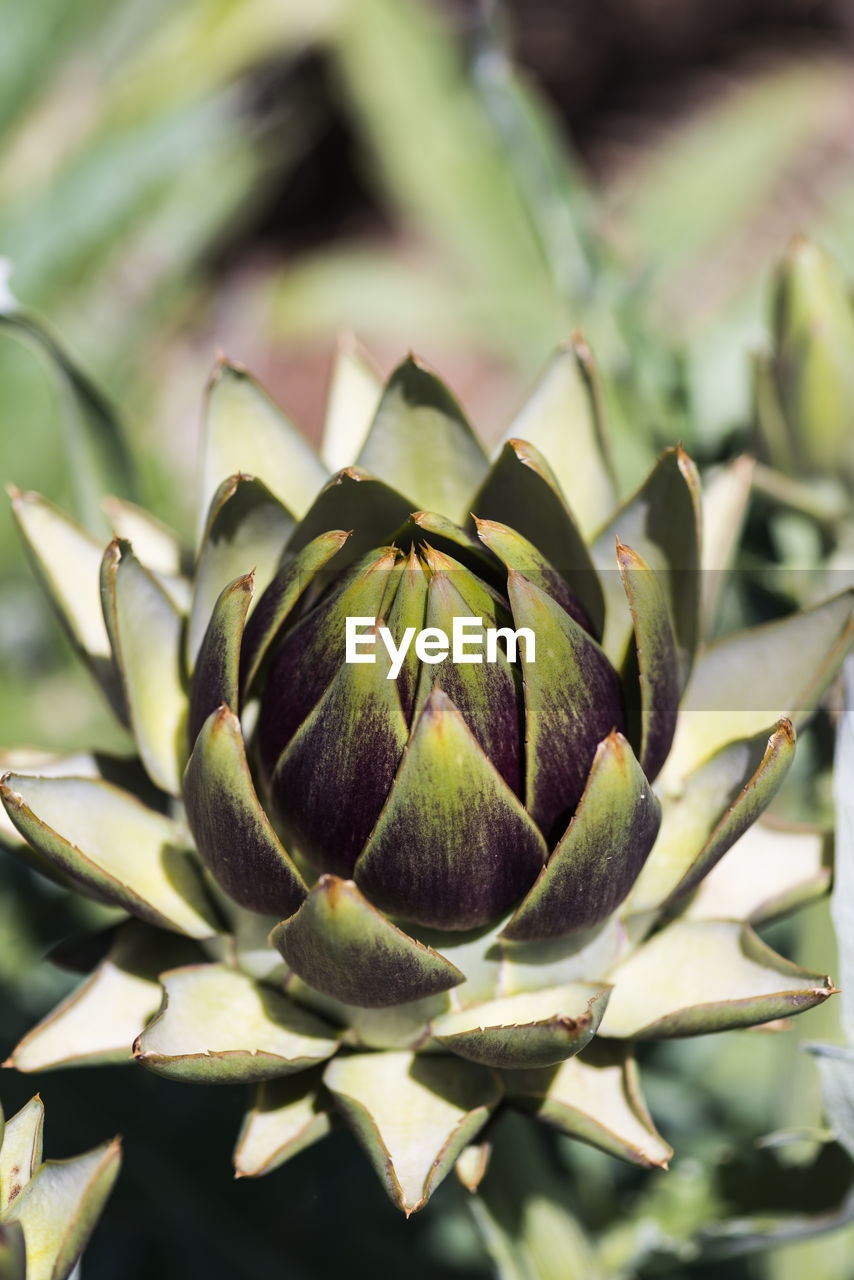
[[474, 181]]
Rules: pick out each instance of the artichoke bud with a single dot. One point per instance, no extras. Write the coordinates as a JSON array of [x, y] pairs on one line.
[[813, 365], [404, 683], [410, 754]]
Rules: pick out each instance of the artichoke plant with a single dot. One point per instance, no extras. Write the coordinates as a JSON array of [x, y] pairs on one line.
[[434, 783]]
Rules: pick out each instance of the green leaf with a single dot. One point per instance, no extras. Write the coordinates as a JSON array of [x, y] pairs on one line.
[[572, 702], [217, 1026], [404, 79], [472, 1164], [413, 1115], [316, 648], [742, 682], [676, 214], [405, 606], [98, 458], [216, 678], [437, 531], [522, 491], [158, 546], [67, 561], [421, 443], [595, 1098], [229, 825], [516, 552], [59, 1207], [726, 492], [358, 501], [354, 395], [453, 847], [98, 1023], [535, 1029], [656, 661], [598, 859], [697, 976], [246, 532], [486, 694], [286, 1116], [345, 948], [349, 747], [534, 151], [112, 846], [661, 522], [564, 417], [717, 804], [147, 636], [769, 872], [246, 433], [295, 575], [21, 1151], [123, 771]]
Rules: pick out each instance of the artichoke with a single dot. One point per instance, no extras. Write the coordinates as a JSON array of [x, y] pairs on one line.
[[434, 782]]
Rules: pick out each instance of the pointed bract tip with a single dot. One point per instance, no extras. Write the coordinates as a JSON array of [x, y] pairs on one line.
[[350, 473], [799, 241], [223, 364], [684, 458], [437, 703], [488, 526], [437, 561], [581, 347]]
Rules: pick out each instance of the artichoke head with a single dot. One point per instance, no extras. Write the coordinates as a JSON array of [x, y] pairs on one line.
[[436, 780]]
